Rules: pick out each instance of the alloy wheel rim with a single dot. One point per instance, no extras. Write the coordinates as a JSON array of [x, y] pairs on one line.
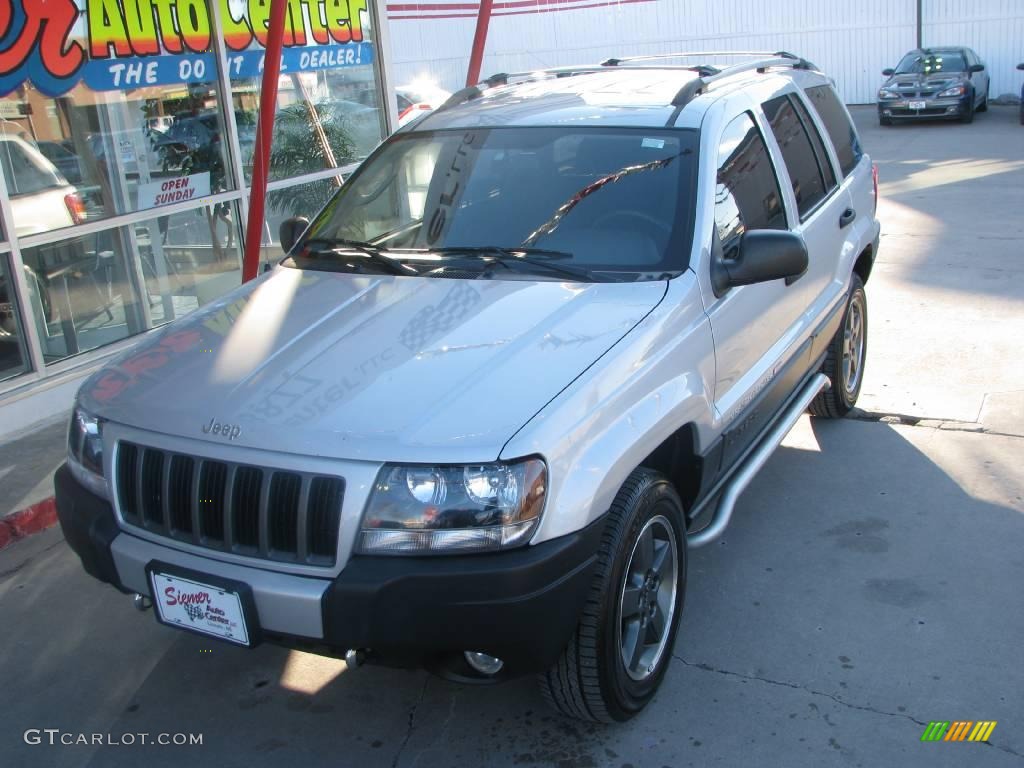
[[647, 601], [853, 346]]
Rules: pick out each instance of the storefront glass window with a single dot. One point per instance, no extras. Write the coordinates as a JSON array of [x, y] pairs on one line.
[[113, 108], [92, 290], [126, 116], [12, 347], [328, 107]]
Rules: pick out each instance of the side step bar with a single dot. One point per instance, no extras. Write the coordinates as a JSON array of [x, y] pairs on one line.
[[756, 459]]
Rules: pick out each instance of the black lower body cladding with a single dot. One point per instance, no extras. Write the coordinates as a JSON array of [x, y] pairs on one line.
[[89, 526], [521, 606]]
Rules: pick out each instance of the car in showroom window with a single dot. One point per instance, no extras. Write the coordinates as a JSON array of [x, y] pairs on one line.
[[598, 204]]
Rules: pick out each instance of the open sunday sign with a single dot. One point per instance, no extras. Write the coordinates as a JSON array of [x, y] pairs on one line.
[[122, 44]]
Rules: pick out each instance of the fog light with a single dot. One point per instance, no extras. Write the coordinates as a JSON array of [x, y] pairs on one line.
[[484, 664]]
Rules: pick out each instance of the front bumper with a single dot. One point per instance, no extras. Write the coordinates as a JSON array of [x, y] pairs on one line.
[[521, 606], [899, 109]]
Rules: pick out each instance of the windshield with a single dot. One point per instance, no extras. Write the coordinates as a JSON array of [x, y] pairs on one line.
[[607, 203], [931, 63]]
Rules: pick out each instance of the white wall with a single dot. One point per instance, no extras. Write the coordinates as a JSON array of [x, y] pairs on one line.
[[993, 28], [851, 41]]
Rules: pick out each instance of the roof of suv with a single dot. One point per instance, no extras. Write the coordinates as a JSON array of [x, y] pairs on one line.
[[623, 96]]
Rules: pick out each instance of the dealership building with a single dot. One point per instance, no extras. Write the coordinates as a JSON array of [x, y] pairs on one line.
[[127, 130]]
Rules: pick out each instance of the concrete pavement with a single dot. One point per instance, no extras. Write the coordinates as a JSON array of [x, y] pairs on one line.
[[869, 584], [947, 293]]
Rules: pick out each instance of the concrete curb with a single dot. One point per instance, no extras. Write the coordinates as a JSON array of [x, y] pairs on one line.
[[25, 522]]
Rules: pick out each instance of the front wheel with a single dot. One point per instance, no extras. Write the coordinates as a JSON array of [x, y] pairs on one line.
[[968, 116], [622, 647], [844, 362], [983, 107]]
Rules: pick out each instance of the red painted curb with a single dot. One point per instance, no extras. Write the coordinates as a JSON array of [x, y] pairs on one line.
[[27, 521]]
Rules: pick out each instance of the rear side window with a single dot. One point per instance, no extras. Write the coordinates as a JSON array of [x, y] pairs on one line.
[[817, 142], [805, 171], [747, 195], [838, 126]]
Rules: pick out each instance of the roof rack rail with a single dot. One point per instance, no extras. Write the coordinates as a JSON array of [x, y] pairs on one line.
[[799, 62], [471, 92], [706, 73], [696, 87]]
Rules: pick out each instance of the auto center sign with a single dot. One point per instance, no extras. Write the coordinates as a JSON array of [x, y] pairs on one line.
[[122, 44]]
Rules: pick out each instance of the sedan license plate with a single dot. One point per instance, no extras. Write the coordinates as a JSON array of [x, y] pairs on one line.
[[916, 105], [189, 601]]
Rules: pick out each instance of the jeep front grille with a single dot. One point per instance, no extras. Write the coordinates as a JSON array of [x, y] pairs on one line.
[[273, 514]]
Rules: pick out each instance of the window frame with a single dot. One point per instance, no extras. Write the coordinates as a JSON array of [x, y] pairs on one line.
[[811, 129], [858, 150], [755, 122], [804, 216]]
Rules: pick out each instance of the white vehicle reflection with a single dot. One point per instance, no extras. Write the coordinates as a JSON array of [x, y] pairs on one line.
[[417, 99]]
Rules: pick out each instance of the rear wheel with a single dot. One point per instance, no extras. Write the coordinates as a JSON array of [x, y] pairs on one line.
[[883, 120], [622, 646], [844, 362]]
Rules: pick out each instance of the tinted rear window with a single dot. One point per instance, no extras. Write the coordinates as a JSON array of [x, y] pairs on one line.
[[801, 162], [838, 125]]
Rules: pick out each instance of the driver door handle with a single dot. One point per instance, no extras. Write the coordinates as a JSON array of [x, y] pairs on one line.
[[847, 217]]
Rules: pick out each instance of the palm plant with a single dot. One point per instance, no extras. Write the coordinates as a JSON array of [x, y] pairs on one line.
[[299, 148]]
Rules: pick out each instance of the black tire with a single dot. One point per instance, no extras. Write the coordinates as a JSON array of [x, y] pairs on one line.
[[590, 680], [882, 120], [968, 116], [1022, 114], [983, 107], [840, 398]]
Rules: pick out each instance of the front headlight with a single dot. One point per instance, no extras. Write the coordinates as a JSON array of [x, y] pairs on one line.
[[420, 510], [884, 94], [85, 451], [956, 90]]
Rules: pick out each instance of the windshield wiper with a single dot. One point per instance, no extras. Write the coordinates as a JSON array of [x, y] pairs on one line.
[[551, 224], [337, 245], [522, 253], [512, 257]]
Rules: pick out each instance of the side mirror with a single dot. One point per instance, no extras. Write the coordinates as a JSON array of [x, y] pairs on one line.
[[763, 255], [889, 72], [976, 68], [291, 230], [1020, 66]]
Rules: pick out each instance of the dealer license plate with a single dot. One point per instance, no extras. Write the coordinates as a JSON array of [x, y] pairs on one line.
[[916, 105], [199, 607]]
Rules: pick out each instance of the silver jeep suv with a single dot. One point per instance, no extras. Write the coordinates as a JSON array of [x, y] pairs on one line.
[[532, 351]]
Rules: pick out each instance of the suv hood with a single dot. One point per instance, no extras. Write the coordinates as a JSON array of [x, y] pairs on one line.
[[373, 367]]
